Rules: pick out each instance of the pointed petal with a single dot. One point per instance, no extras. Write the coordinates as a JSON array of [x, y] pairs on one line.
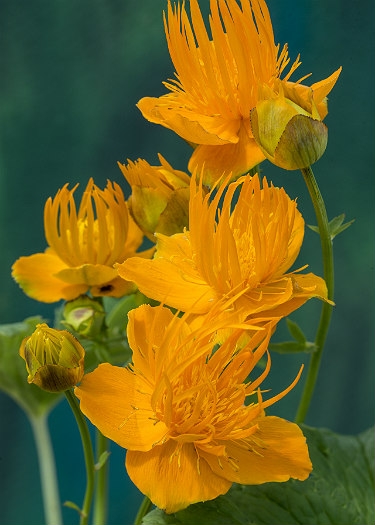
[[117, 402], [36, 275], [276, 452], [172, 478]]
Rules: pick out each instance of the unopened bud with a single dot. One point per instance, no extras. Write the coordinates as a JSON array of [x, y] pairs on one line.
[[54, 358]]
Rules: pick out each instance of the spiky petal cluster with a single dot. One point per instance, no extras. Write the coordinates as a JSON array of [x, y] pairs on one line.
[[84, 245], [180, 411], [241, 253], [220, 78]]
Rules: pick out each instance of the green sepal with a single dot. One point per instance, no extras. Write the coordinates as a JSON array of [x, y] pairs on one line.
[[300, 343], [13, 375], [340, 490], [335, 226]]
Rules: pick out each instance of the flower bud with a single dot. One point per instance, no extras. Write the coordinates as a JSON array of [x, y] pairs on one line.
[[288, 135], [54, 358], [85, 316], [160, 197]]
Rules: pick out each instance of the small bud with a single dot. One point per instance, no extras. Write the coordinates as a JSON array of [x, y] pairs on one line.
[[54, 358], [289, 136], [84, 316], [160, 197]]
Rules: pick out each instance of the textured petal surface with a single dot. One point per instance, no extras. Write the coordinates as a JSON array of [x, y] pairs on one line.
[[174, 478], [36, 274], [276, 452], [117, 402]]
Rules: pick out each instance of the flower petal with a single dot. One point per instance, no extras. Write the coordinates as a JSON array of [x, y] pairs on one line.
[[117, 402], [276, 452], [237, 159], [174, 477], [170, 277], [36, 275]]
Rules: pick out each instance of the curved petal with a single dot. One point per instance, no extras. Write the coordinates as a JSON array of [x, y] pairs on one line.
[[276, 452], [88, 274], [36, 275], [117, 402], [171, 276], [173, 477], [191, 126], [215, 161]]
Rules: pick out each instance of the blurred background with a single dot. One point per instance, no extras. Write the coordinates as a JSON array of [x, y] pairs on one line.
[[71, 74]]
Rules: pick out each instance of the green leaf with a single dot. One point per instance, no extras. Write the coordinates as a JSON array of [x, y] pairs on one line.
[[13, 375], [299, 345], [340, 491], [335, 226]]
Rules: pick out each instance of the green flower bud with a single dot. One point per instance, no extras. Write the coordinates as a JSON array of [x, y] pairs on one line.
[[289, 136], [54, 358], [85, 316]]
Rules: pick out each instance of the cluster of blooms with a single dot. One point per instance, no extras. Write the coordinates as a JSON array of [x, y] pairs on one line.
[[187, 408]]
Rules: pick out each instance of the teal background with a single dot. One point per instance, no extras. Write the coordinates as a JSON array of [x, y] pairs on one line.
[[71, 74]]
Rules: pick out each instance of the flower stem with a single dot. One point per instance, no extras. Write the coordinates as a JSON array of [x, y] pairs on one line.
[[47, 469], [143, 510], [88, 453], [326, 312], [101, 493]]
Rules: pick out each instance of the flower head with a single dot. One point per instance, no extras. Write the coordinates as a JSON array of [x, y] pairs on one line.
[[180, 411], [241, 253], [220, 78], [54, 358], [160, 196], [84, 245]]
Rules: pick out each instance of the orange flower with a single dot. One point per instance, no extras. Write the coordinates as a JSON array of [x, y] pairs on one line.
[[83, 246], [219, 80], [241, 254], [180, 411], [160, 196]]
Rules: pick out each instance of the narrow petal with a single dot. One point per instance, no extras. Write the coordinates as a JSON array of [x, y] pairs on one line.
[[276, 452], [117, 402], [173, 477], [36, 275]]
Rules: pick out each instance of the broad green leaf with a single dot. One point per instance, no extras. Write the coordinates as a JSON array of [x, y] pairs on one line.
[[340, 491], [13, 375], [336, 225]]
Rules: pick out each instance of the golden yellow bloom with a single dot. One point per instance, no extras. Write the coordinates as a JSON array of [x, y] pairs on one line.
[[219, 80], [180, 411], [83, 246], [54, 358], [241, 254], [160, 196]]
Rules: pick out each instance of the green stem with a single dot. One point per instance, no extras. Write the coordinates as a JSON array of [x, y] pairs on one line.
[[47, 469], [143, 510], [326, 312], [88, 453], [101, 493]]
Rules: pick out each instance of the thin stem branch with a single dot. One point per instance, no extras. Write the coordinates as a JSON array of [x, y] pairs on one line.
[[88, 454], [326, 312], [47, 469], [143, 510], [101, 491]]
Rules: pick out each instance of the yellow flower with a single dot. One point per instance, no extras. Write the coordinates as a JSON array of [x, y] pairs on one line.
[[241, 254], [54, 358], [83, 246], [219, 80], [160, 196], [180, 411]]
